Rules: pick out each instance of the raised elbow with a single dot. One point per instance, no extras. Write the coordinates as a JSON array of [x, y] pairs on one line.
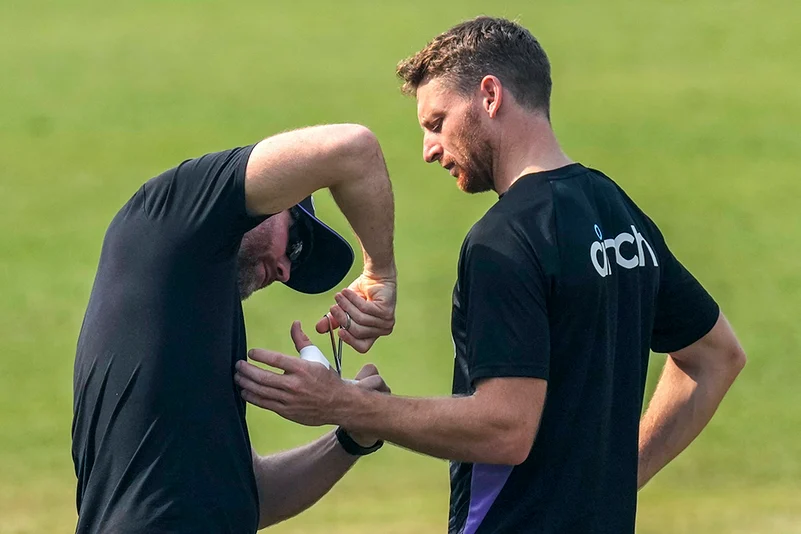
[[356, 142], [358, 153], [359, 134], [737, 360]]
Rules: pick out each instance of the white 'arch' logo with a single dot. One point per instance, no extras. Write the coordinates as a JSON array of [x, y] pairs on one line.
[[600, 259]]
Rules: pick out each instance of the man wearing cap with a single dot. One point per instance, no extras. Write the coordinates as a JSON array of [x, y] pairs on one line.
[[159, 438], [563, 287]]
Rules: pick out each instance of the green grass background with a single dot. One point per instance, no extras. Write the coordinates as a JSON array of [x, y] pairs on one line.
[[694, 107]]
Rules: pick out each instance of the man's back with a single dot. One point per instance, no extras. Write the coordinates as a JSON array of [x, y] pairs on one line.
[[159, 436], [566, 280]]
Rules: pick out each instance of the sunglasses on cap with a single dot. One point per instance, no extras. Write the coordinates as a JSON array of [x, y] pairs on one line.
[[299, 243]]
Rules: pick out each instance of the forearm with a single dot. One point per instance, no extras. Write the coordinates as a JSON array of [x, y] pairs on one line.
[[683, 403], [366, 200], [453, 428], [292, 481]]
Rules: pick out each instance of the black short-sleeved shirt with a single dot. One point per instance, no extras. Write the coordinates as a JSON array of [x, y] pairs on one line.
[[566, 280], [159, 439]]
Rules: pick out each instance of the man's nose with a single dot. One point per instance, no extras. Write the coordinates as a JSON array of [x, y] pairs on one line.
[[432, 150]]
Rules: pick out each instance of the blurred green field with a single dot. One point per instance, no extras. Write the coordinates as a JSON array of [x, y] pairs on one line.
[[693, 107]]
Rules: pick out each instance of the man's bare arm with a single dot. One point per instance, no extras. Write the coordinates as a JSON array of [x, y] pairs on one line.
[[693, 383], [497, 424], [345, 158], [290, 482]]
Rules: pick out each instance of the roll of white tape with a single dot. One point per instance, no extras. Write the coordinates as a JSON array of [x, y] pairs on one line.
[[313, 354]]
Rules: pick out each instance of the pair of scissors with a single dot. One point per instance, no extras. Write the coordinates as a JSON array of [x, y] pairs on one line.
[[335, 347]]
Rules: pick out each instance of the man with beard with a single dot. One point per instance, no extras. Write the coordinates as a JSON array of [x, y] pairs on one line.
[[160, 442], [563, 287]]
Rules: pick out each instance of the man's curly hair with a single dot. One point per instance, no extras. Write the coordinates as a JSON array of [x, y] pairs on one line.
[[479, 47]]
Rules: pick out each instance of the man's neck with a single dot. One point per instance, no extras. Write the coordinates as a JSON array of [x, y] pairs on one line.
[[527, 147]]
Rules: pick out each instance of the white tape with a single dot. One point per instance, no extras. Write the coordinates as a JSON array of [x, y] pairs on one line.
[[313, 354]]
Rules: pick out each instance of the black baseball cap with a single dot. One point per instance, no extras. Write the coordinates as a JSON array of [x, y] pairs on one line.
[[320, 257]]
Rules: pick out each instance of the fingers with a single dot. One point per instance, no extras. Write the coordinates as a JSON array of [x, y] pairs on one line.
[[375, 383], [276, 359], [359, 345], [258, 375], [327, 323], [367, 370], [322, 325], [366, 320], [361, 326], [368, 378], [304, 393], [261, 402], [371, 323], [358, 336], [366, 337], [380, 310], [357, 318], [300, 339], [250, 379]]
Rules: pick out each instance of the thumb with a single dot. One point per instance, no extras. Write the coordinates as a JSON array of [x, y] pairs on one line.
[[300, 339]]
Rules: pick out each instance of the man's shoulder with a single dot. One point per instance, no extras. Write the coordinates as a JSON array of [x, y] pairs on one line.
[[199, 204], [197, 179], [525, 218], [518, 235], [496, 219]]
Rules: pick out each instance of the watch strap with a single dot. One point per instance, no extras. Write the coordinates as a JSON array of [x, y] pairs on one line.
[[353, 448]]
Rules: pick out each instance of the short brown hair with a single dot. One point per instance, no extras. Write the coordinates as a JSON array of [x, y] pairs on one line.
[[479, 47]]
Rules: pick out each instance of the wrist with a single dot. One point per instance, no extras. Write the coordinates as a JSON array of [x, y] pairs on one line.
[[350, 400], [383, 272], [354, 412]]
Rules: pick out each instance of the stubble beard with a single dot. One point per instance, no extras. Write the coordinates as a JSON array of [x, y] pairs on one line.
[[475, 175], [249, 257], [247, 277]]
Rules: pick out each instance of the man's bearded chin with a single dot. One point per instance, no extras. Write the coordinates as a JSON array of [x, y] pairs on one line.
[[475, 175], [247, 277]]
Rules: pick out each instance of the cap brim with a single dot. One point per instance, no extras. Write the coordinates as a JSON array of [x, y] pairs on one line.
[[330, 260]]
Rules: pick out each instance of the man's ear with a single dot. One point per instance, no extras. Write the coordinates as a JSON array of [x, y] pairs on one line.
[[491, 91]]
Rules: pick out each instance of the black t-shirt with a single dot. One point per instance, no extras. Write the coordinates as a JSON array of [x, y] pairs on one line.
[[566, 280], [159, 439]]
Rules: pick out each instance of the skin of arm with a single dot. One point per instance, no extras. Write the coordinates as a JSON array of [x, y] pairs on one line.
[[471, 428], [497, 424], [290, 482], [345, 158], [692, 385]]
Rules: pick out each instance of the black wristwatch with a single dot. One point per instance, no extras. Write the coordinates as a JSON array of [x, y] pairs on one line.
[[351, 447]]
